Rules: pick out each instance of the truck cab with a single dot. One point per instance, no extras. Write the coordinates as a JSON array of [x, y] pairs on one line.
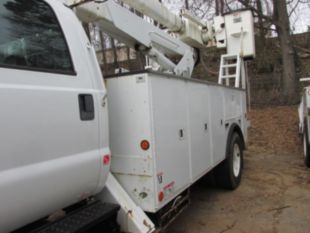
[[54, 122]]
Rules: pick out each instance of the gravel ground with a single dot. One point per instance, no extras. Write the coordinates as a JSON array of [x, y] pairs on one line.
[[274, 196]]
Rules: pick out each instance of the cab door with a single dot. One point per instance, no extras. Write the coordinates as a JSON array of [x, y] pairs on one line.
[[49, 119]]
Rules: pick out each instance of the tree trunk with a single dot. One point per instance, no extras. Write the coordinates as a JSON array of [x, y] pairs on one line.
[[221, 3], [86, 28], [186, 5], [128, 58], [114, 49], [261, 23], [104, 58], [289, 82], [217, 8]]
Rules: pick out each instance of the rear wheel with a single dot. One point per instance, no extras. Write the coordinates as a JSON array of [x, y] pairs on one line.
[[306, 145], [228, 173]]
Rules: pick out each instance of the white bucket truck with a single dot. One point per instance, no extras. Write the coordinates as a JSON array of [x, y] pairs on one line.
[[59, 123]]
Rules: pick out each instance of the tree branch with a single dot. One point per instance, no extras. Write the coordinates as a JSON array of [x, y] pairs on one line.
[[245, 3]]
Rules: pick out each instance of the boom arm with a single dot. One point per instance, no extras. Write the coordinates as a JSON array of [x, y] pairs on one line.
[[234, 31], [127, 27], [192, 31]]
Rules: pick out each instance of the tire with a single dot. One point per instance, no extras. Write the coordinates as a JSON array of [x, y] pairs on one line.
[[228, 173], [306, 145]]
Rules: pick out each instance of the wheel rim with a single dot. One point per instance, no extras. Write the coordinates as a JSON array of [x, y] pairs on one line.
[[305, 144], [236, 160]]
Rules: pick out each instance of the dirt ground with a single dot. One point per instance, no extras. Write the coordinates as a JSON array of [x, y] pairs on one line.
[[274, 196]]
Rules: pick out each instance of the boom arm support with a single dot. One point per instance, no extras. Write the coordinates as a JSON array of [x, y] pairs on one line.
[[114, 19]]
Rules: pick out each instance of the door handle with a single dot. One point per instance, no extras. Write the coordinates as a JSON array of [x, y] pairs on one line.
[[87, 109]]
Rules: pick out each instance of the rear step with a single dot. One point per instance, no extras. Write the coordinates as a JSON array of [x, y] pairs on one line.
[[95, 217], [169, 213]]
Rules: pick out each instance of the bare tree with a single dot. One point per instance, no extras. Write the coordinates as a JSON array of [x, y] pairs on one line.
[[280, 19], [186, 5], [219, 7], [114, 49], [282, 23], [272, 16], [262, 31]]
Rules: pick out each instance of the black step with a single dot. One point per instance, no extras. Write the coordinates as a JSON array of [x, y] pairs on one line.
[[86, 219]]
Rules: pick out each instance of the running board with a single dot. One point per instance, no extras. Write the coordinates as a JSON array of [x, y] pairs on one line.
[[131, 217], [93, 217]]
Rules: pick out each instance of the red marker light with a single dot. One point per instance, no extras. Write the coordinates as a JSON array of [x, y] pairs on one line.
[[161, 196], [106, 159], [145, 145]]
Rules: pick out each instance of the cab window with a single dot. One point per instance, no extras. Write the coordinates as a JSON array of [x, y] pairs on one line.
[[31, 37]]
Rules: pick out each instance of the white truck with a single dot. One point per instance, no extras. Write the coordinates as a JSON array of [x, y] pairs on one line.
[[304, 121], [59, 123]]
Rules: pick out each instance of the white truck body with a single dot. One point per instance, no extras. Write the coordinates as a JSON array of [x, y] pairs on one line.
[[303, 109], [187, 123], [55, 124], [304, 121]]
